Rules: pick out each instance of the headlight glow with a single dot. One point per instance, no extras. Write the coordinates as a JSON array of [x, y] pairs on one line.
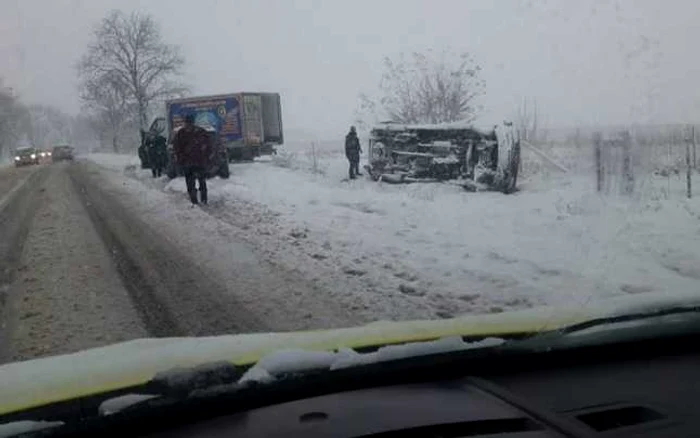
[[33, 156], [48, 153], [17, 158]]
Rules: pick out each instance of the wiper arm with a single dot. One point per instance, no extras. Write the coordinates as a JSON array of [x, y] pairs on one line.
[[181, 383], [627, 317], [619, 328]]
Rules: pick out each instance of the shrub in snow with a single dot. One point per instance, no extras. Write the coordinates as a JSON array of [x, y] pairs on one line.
[[310, 161], [284, 159]]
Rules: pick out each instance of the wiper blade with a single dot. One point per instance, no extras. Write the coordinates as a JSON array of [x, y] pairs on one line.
[[288, 384], [183, 382], [180, 382], [627, 317], [656, 323]]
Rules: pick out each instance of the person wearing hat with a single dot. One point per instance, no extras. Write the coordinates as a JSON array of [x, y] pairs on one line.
[[192, 151], [352, 152]]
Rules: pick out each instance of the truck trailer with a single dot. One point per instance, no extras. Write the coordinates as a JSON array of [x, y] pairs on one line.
[[242, 126], [248, 124]]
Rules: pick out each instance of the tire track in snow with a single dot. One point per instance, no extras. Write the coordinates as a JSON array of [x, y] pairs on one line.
[[16, 212], [174, 294], [66, 295]]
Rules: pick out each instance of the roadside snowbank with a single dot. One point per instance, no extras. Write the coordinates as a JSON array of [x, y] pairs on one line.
[[115, 161], [432, 250]]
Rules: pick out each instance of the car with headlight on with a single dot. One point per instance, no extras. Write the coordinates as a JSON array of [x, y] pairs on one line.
[[27, 156], [62, 153], [44, 156]]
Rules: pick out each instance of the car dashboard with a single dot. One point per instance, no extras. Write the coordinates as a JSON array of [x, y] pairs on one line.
[[650, 394]]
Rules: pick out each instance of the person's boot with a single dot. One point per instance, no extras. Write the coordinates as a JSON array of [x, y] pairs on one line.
[[193, 197], [203, 195], [153, 171]]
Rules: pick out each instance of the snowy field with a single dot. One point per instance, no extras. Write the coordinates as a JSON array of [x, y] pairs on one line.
[[434, 250]]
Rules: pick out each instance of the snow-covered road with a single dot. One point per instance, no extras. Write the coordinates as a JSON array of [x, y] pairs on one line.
[[90, 260], [98, 251], [432, 250]]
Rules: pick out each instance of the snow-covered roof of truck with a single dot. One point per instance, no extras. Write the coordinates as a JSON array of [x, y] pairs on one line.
[[461, 124], [217, 96]]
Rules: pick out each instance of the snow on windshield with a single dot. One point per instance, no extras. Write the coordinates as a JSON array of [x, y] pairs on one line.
[[292, 361]]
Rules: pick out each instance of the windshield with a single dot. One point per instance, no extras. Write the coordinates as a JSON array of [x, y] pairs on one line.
[[363, 163]]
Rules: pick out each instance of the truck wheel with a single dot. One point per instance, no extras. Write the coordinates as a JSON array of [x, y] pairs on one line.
[[234, 155], [248, 155]]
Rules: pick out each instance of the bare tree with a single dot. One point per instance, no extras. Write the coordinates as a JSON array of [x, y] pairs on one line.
[[107, 99], [426, 88], [128, 53], [12, 113], [47, 126]]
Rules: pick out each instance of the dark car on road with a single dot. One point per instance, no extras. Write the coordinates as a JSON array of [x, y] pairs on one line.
[[26, 156], [62, 153]]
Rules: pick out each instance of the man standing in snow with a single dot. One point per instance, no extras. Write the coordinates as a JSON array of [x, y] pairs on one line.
[[192, 151], [352, 152]]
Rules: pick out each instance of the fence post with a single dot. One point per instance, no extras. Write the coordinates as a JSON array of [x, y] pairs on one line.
[[689, 169], [314, 158], [598, 145], [520, 161], [670, 169], [627, 175], [695, 157]]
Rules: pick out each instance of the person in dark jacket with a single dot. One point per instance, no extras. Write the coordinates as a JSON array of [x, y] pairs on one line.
[[352, 152], [192, 148], [157, 153]]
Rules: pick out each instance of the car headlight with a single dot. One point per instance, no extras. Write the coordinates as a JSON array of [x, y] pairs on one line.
[[33, 156], [17, 158], [43, 154], [48, 153]]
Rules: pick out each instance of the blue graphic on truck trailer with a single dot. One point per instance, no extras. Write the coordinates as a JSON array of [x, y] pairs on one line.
[[223, 114]]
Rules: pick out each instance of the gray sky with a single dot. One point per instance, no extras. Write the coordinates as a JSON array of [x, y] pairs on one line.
[[585, 62]]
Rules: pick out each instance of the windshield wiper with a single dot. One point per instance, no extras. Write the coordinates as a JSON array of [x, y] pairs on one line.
[[621, 318]]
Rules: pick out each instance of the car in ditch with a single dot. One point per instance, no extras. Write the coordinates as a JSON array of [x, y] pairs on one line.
[[26, 156], [476, 159]]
